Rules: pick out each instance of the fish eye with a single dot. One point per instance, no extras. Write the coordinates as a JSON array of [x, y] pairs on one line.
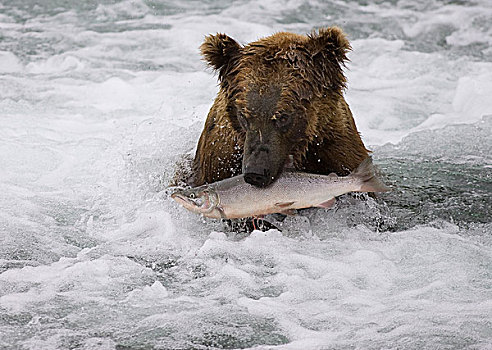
[[192, 195]]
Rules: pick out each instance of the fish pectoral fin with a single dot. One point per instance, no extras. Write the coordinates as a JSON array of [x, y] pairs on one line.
[[284, 204], [221, 212], [327, 204]]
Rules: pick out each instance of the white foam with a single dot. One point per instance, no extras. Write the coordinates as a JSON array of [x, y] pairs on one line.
[[55, 64], [9, 63], [148, 294], [472, 97], [390, 104]]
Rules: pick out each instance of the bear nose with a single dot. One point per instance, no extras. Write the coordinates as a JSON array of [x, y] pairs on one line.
[[257, 177]]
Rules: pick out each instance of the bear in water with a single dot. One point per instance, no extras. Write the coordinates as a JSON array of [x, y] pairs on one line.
[[280, 96]]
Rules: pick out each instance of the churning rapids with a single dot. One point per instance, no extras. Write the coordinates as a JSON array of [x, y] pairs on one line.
[[98, 100]]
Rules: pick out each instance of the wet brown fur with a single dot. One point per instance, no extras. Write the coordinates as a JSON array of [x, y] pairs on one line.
[[307, 70]]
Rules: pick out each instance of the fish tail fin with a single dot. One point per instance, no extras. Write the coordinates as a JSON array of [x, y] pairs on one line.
[[370, 182]]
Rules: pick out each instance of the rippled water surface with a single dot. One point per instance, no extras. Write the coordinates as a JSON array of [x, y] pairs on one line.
[[99, 99]]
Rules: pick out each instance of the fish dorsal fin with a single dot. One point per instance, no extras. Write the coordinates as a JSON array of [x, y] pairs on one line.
[[327, 204], [284, 204], [290, 212]]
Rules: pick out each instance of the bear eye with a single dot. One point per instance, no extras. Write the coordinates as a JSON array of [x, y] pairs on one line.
[[242, 120], [282, 121]]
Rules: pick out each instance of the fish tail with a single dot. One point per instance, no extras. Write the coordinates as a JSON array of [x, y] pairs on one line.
[[370, 182]]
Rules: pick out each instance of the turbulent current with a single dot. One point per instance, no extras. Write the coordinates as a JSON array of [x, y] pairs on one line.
[[99, 100]]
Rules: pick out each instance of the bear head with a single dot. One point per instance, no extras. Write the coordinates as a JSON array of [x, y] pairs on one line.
[[275, 90]]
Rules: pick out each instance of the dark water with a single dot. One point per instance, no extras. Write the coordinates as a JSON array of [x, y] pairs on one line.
[[440, 175]]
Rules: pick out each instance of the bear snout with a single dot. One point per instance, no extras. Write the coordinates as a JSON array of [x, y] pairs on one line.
[[257, 179], [258, 168]]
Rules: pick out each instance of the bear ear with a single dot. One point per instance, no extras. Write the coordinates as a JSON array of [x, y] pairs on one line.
[[328, 48], [221, 52]]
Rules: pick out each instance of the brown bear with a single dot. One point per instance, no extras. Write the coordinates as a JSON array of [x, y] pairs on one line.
[[279, 96]]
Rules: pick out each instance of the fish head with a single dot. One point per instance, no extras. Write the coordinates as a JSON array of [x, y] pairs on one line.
[[201, 200]]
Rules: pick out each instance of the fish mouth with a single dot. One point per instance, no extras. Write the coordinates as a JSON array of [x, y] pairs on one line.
[[181, 199], [185, 202], [202, 203]]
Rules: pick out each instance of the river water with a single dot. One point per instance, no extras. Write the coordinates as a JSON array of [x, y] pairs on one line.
[[98, 100]]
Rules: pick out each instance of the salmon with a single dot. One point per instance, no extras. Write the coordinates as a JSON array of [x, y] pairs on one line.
[[234, 198]]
